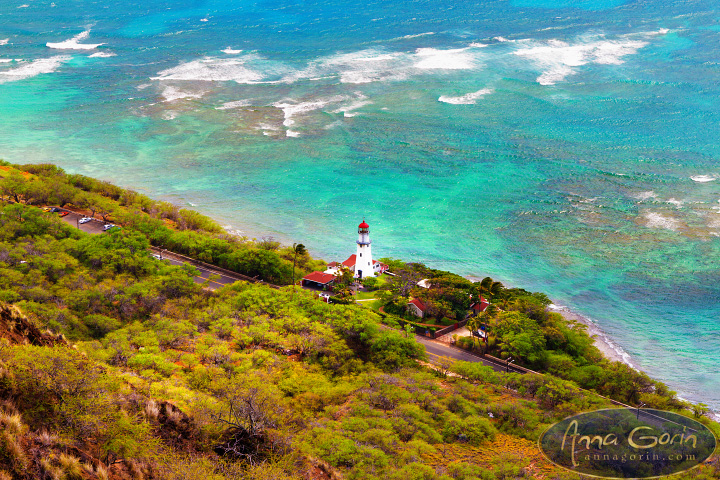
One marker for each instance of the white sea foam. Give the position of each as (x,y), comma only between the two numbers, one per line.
(214,70)
(359,102)
(657,220)
(418,35)
(373,65)
(103,55)
(204,19)
(6,60)
(291,110)
(231,51)
(267,126)
(171,94)
(4,41)
(292,133)
(364,66)
(36,67)
(645,195)
(24,6)
(703,178)
(467,99)
(74,43)
(558,59)
(501,39)
(235,104)
(432,58)
(676,202)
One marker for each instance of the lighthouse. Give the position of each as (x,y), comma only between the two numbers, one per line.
(363,258)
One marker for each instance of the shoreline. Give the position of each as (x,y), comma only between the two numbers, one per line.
(602,341)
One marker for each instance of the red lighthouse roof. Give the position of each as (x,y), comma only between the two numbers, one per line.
(363,225)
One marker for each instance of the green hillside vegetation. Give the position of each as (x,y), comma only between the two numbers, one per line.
(520,326)
(162,223)
(114,365)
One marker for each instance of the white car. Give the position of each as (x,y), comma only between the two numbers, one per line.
(108,227)
(85,220)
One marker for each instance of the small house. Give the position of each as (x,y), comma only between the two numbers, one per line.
(417,307)
(319,280)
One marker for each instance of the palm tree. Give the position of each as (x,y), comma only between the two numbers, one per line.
(297,249)
(490,287)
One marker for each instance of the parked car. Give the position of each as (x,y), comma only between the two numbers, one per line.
(47,209)
(108,226)
(155,255)
(62,214)
(55,209)
(85,220)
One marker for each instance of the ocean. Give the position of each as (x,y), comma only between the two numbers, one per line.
(568,147)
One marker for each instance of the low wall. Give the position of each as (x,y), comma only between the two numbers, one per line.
(451,328)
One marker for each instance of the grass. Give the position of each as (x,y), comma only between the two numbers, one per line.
(365,295)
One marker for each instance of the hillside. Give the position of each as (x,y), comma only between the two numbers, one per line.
(116,365)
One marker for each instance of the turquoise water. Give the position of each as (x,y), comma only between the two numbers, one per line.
(567,147)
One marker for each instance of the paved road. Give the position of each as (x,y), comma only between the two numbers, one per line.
(437,349)
(95,226)
(220,280)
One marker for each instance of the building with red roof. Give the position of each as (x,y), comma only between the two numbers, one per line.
(417,307)
(319,280)
(479,307)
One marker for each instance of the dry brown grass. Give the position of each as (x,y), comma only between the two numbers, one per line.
(12,452)
(71,466)
(152,409)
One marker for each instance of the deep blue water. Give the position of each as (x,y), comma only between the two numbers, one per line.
(564,146)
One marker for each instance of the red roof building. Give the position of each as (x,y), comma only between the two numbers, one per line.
(350,262)
(478,307)
(318,280)
(417,307)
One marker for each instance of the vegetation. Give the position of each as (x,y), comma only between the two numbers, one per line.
(115,365)
(162,223)
(519,325)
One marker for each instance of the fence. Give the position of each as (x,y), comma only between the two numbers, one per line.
(451,328)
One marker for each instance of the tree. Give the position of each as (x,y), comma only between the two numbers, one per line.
(520,336)
(490,287)
(14,186)
(371,283)
(251,413)
(62,193)
(86,201)
(297,249)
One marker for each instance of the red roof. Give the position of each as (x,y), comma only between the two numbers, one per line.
(363,225)
(419,304)
(333,264)
(350,262)
(320,277)
(481,305)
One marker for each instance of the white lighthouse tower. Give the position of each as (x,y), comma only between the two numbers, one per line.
(363,258)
